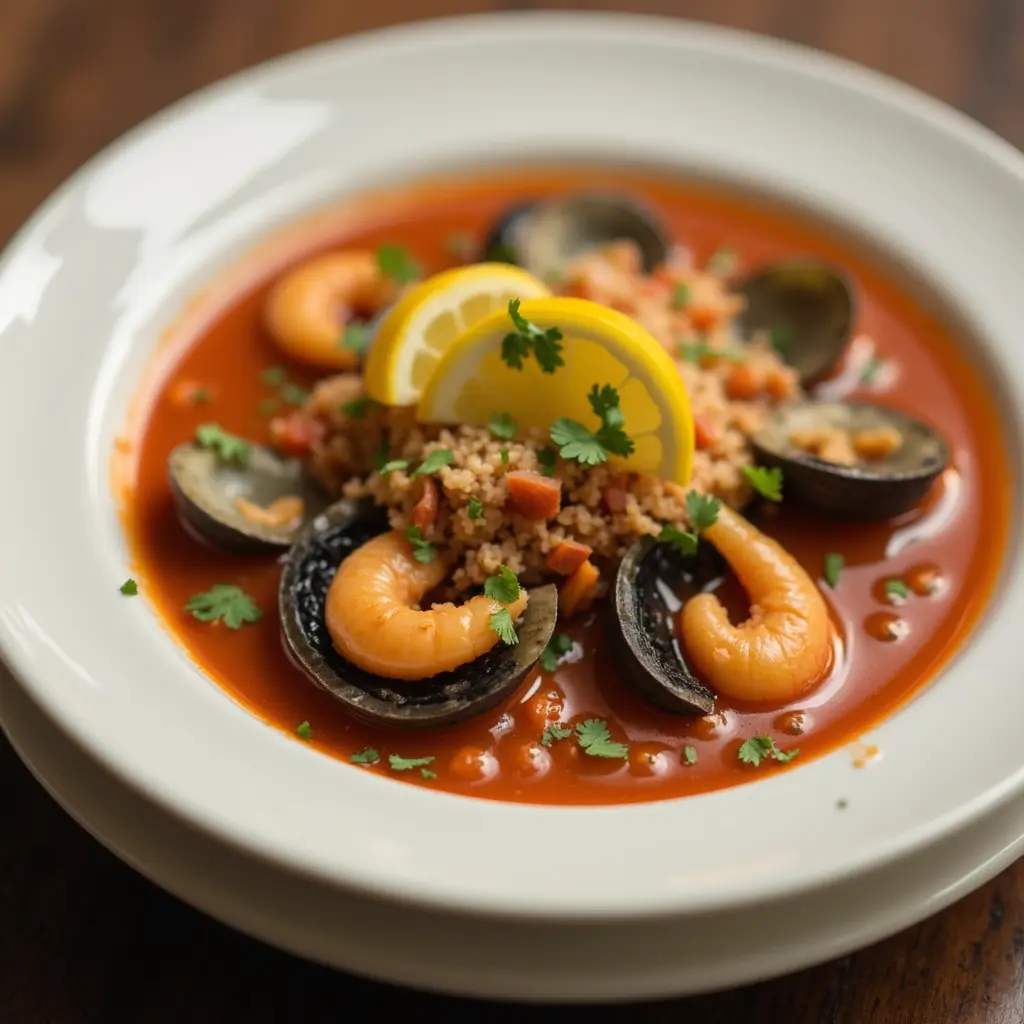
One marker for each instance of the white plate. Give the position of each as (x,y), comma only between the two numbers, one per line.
(476,956)
(86,287)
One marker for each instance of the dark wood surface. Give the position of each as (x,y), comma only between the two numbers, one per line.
(85,939)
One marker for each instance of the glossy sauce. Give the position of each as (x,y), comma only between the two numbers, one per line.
(947,553)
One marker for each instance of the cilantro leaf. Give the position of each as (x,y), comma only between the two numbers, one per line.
(395,262)
(694,352)
(228,447)
(558,645)
(274,376)
(504,456)
(575,441)
(896,588)
(605,403)
(514,350)
(501,622)
(702,509)
(358,407)
(294,395)
(555,732)
(767,482)
(427,773)
(226,603)
(689,755)
(503,426)
(760,748)
(593,736)
(392,465)
(475,509)
(547,459)
(380,456)
(834,563)
(433,462)
(422,549)
(403,764)
(355,335)
(129,588)
(526,337)
(366,756)
(685,543)
(781,338)
(503,586)
(680,295)
(303,730)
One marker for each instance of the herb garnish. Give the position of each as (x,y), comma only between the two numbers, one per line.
(355,335)
(422,549)
(722,261)
(594,738)
(475,509)
(436,460)
(694,352)
(578,442)
(528,337)
(294,395)
(896,588)
(224,602)
(680,295)
(391,465)
(357,408)
(547,459)
(781,338)
(303,730)
(834,563)
(871,369)
(404,764)
(555,732)
(274,376)
(129,588)
(395,262)
(760,748)
(228,447)
(503,426)
(703,512)
(504,588)
(504,456)
(689,755)
(199,397)
(368,755)
(767,482)
(267,407)
(558,645)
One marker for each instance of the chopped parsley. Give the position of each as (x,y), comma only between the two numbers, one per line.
(680,295)
(368,755)
(761,748)
(356,335)
(527,337)
(591,448)
(558,645)
(404,764)
(294,395)
(504,588)
(303,730)
(391,465)
(228,447)
(594,738)
(694,352)
(871,369)
(129,588)
(547,459)
(224,602)
(703,511)
(555,732)
(395,262)
(504,456)
(502,624)
(475,509)
(767,482)
(503,426)
(433,462)
(274,376)
(689,755)
(358,407)
(422,549)
(427,773)
(781,338)
(684,542)
(834,563)
(897,588)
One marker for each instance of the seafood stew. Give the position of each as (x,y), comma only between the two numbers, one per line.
(569,486)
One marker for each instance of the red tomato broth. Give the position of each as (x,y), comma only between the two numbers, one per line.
(500,756)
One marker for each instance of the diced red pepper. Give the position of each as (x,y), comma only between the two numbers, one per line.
(567,556)
(533,495)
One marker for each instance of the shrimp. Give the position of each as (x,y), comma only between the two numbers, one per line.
(307,309)
(374,622)
(785,647)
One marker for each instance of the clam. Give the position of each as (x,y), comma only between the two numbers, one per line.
(807,308)
(231,505)
(878,487)
(652,583)
(441,700)
(545,235)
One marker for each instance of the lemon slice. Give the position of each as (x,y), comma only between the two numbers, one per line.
(600,346)
(430,316)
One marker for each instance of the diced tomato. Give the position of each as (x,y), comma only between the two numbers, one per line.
(295,433)
(533,495)
(703,318)
(567,556)
(742,384)
(579,590)
(704,435)
(424,512)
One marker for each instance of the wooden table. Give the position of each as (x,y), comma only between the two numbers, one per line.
(83,938)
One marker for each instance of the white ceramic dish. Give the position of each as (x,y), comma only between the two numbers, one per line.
(87,285)
(479,956)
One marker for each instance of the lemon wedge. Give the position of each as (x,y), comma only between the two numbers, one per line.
(472,382)
(429,317)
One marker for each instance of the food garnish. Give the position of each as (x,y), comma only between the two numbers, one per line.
(422,549)
(689,755)
(703,511)
(404,764)
(780,338)
(834,563)
(896,588)
(129,588)
(591,448)
(199,396)
(303,730)
(224,602)
(267,407)
(504,588)
(503,426)
(595,740)
(722,261)
(767,482)
(761,748)
(357,408)
(475,509)
(355,335)
(680,295)
(228,447)
(294,395)
(558,645)
(555,732)
(395,262)
(695,352)
(871,370)
(368,755)
(547,459)
(392,466)
(437,459)
(528,337)
(504,456)
(274,376)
